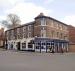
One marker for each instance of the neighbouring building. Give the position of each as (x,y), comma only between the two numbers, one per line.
(71,38)
(43,34)
(2,38)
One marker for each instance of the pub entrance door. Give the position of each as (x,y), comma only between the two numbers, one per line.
(18,45)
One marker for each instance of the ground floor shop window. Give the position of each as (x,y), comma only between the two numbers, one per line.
(30,45)
(48,44)
(37,45)
(23,45)
(43,47)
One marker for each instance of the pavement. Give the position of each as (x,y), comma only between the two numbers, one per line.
(32,61)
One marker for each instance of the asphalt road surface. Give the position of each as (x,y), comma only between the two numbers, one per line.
(31,61)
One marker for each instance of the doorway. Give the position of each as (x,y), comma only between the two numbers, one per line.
(18,45)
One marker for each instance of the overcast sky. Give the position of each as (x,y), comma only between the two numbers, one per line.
(27,10)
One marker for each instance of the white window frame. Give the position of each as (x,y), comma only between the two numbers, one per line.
(29,34)
(29,27)
(43,33)
(43,22)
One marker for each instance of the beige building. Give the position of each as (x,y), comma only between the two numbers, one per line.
(43,34)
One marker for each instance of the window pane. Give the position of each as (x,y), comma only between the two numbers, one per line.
(23,45)
(37,47)
(43,21)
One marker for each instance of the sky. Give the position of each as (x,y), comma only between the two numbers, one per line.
(27,10)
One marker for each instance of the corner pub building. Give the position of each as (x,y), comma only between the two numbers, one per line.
(44,34)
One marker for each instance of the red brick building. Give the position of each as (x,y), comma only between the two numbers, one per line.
(44,34)
(71,38)
(2,37)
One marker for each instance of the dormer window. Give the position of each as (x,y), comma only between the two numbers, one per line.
(43,21)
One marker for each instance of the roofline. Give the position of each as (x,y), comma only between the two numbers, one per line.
(37,18)
(21,26)
(50,18)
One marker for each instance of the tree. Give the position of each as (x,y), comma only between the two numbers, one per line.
(6,24)
(12,21)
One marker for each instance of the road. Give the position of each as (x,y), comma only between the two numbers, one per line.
(31,61)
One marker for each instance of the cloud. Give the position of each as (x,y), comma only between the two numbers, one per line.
(48,1)
(70,20)
(2,18)
(27,11)
(7,3)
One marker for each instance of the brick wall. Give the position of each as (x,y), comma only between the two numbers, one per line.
(71,34)
(71,38)
(52,26)
(2,37)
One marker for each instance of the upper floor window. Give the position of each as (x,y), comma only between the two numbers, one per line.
(29,34)
(43,32)
(52,33)
(60,27)
(57,34)
(29,27)
(61,35)
(24,29)
(52,23)
(43,21)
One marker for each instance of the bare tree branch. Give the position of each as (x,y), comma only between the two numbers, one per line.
(12,21)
